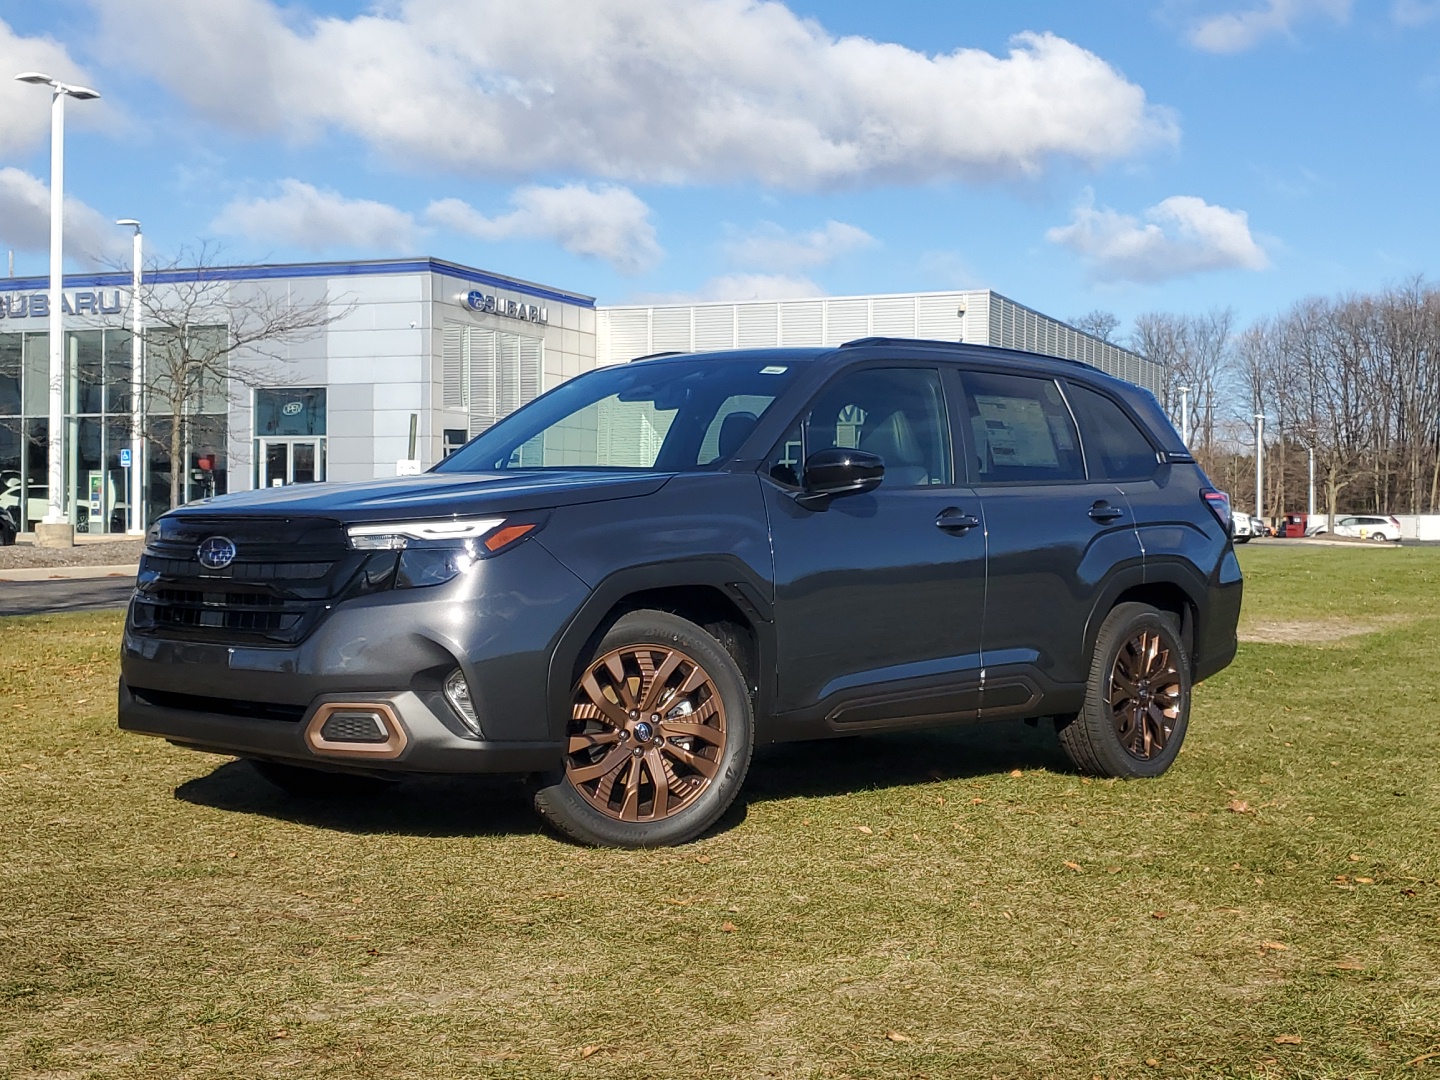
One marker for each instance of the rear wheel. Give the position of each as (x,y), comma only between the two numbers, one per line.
(1137,697)
(659,737)
(318,784)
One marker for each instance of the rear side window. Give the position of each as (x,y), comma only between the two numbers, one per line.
(1117,449)
(1021,430)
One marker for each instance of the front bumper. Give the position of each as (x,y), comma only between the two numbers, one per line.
(499,625)
(429,746)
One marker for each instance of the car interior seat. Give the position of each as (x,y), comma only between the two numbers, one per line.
(893,438)
(734,430)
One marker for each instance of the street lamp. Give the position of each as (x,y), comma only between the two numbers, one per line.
(55,512)
(137,443)
(1259,465)
(1184,415)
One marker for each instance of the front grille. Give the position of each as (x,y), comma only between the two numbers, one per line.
(255,710)
(286,574)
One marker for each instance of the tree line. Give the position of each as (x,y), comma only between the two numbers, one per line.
(1355,379)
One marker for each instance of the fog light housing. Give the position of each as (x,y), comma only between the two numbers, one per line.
(457,693)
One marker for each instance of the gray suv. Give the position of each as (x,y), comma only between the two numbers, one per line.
(624,587)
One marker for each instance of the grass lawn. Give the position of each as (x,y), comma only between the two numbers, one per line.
(943,905)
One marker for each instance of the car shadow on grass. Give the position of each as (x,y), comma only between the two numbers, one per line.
(499,805)
(871,762)
(419,806)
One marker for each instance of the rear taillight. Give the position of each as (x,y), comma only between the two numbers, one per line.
(1396,523)
(1219,504)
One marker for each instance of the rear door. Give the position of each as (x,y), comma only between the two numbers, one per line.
(1054,535)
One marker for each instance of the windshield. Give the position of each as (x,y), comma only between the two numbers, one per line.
(672,416)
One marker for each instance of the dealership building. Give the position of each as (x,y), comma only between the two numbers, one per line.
(407,360)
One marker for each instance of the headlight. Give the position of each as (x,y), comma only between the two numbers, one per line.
(434,552)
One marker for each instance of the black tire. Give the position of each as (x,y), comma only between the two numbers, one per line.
(317,783)
(600,796)
(1107,737)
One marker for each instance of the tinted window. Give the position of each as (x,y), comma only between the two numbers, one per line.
(678,415)
(1021,429)
(897,413)
(1115,447)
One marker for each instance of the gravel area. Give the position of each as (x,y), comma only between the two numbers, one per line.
(121,551)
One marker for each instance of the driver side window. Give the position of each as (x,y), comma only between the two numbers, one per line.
(895,413)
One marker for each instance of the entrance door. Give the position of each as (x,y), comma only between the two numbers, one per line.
(291,461)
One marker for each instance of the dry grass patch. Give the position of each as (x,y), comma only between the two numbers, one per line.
(1313,631)
(943,905)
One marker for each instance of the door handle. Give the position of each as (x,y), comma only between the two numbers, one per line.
(1104,513)
(954,520)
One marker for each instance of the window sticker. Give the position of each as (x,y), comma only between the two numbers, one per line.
(774,369)
(1017,431)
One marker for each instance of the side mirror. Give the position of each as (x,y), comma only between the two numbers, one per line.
(838,471)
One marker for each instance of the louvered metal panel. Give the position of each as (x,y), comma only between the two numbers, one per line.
(671,330)
(846,320)
(939,318)
(484,378)
(893,316)
(629,334)
(715,326)
(802,322)
(757,325)
(532,362)
(455,391)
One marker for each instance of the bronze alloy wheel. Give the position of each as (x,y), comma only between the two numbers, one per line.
(1145,694)
(646,734)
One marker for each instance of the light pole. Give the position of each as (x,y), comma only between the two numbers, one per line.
(137,415)
(1259,465)
(1184,415)
(1310,504)
(55,512)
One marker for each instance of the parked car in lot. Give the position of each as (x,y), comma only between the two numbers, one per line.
(625,586)
(1369,528)
(1242,526)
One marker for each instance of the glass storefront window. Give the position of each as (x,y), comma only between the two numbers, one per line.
(294,411)
(37,375)
(10,346)
(12,494)
(86,371)
(117,371)
(36,499)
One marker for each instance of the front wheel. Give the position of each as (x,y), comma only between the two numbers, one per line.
(659,736)
(1137,697)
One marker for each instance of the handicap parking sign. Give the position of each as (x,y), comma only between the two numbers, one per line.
(125,458)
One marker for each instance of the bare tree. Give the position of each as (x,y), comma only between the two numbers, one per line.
(208,335)
(1098,323)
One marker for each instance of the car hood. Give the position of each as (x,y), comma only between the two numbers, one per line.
(431,495)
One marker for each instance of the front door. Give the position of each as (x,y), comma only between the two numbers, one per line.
(879,596)
(290,461)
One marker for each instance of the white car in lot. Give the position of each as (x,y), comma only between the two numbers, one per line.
(1372,527)
(1242,527)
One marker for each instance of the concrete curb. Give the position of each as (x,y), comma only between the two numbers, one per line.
(68,573)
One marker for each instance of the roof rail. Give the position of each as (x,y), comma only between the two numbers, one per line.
(866,341)
(658,355)
(859,342)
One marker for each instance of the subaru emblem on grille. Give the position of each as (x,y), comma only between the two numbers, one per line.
(216,553)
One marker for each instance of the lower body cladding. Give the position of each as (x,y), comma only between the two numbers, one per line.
(367,690)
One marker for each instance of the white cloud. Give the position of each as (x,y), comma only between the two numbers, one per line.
(774,248)
(25,109)
(1414,12)
(1181,235)
(303,216)
(1233,32)
(638,90)
(740,287)
(90,237)
(605,222)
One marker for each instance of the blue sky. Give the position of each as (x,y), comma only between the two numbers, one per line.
(1172,155)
